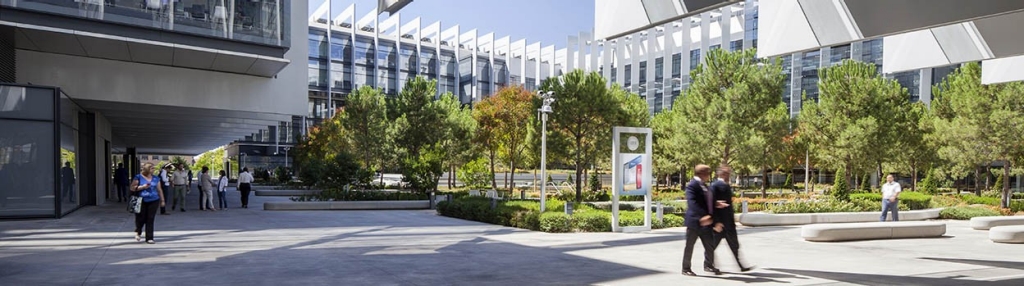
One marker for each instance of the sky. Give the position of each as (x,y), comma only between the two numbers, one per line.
(547,21)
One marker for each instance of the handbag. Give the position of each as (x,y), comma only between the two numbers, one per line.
(135,204)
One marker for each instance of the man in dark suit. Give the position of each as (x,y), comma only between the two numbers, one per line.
(724,215)
(699,200)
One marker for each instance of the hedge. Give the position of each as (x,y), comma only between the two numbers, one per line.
(966,212)
(526,214)
(815,206)
(913,200)
(337,194)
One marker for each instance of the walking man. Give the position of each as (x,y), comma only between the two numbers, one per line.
(67,175)
(699,200)
(121,181)
(180,187)
(165,185)
(890,198)
(725,221)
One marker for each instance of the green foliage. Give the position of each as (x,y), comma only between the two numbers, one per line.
(998,185)
(366,126)
(840,190)
(475,174)
(282,175)
(815,206)
(856,119)
(732,111)
(334,172)
(504,119)
(966,212)
(929,184)
(594,182)
(585,110)
(592,221)
(555,222)
(789,181)
(342,194)
(913,200)
(179,160)
(214,160)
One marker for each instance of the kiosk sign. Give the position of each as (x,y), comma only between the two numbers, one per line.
(631,171)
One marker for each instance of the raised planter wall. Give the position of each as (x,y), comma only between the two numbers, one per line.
(286,193)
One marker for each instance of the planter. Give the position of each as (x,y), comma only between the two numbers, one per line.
(767,219)
(348,205)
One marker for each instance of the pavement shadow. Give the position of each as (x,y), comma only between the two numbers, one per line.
(990,263)
(879,279)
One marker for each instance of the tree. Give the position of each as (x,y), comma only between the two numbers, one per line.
(511,109)
(213,159)
(841,191)
(736,101)
(487,133)
(425,129)
(852,125)
(364,117)
(978,124)
(458,127)
(584,112)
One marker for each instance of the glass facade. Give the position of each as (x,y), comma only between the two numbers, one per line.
(41,156)
(262,22)
(809,74)
(911,80)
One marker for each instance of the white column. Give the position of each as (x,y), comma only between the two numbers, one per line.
(705,35)
(726,24)
(925,86)
(398,51)
(572,42)
(581,50)
(634,61)
(668,49)
(685,47)
(652,43)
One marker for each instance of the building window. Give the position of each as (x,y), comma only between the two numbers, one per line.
(694,59)
(839,53)
(736,45)
(677,61)
(628,74)
(659,70)
(643,73)
(911,80)
(809,74)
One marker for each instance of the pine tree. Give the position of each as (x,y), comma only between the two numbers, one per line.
(841,191)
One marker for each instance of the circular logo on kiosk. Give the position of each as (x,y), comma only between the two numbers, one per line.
(632,143)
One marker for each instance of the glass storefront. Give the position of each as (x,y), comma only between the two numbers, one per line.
(40,155)
(255,21)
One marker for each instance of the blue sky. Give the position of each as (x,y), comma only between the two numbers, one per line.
(548,21)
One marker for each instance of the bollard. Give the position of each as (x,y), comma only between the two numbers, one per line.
(494,203)
(568,208)
(433,200)
(744,207)
(661,212)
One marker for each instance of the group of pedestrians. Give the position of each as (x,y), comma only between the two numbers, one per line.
(154,189)
(710,218)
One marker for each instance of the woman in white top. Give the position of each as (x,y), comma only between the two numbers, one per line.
(207,182)
(222,188)
(245,186)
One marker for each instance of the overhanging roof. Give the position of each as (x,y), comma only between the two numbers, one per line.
(105,46)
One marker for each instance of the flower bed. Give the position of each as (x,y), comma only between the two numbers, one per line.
(527,215)
(331,195)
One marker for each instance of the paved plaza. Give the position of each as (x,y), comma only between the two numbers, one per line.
(95,246)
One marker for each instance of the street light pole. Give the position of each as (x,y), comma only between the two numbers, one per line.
(286,156)
(548,98)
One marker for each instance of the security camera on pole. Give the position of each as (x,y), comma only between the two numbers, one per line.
(548,97)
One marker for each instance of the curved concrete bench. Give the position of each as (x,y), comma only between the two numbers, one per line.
(286,193)
(767,219)
(872,230)
(987,222)
(1007,234)
(353,205)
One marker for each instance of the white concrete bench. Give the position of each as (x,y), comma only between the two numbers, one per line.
(767,219)
(872,230)
(1007,234)
(987,222)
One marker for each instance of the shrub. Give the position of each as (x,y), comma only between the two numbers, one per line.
(340,194)
(943,201)
(592,221)
(913,200)
(928,185)
(998,186)
(966,212)
(789,181)
(475,174)
(840,191)
(555,222)
(594,182)
(282,175)
(819,206)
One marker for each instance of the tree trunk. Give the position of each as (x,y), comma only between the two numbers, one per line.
(1006,184)
(913,178)
(513,167)
(764,183)
(682,177)
(494,176)
(880,178)
(977,181)
(988,176)
(579,169)
(586,173)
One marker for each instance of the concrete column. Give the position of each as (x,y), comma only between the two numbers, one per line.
(634,60)
(925,86)
(725,23)
(705,34)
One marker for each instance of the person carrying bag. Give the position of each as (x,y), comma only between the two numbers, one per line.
(147,187)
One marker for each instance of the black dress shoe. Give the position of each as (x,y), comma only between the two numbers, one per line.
(746,269)
(713,270)
(688,272)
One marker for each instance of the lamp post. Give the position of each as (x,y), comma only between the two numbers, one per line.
(548,97)
(286,156)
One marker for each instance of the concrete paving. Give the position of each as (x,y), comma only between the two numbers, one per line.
(95,246)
